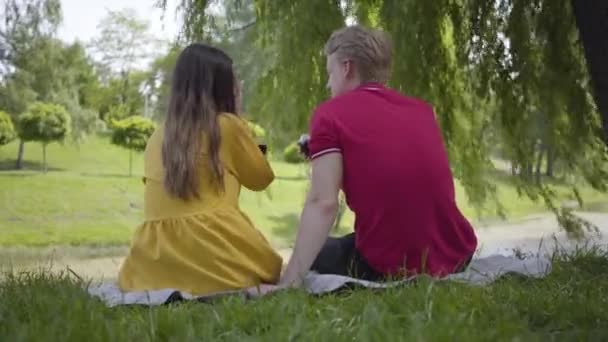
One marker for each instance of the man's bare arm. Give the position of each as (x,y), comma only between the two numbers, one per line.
(317,217)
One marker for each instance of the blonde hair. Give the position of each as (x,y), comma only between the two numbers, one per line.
(370,50)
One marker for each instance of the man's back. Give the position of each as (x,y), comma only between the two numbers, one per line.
(396,179)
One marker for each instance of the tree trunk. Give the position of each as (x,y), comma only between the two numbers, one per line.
(19,163)
(550,162)
(44,169)
(130,163)
(125,87)
(592,22)
(539,162)
(526,171)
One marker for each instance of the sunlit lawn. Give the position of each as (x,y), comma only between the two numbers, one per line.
(88,198)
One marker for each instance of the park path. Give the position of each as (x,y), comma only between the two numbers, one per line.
(529,235)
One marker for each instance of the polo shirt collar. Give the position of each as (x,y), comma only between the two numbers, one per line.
(371,86)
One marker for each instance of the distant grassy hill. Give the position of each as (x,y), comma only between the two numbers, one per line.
(87,197)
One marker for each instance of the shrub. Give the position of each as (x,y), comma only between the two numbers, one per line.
(44,123)
(7,129)
(258,131)
(132,133)
(292,154)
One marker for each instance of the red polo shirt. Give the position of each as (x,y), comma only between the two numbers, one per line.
(397,180)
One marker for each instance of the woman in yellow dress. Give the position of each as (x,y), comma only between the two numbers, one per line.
(194,237)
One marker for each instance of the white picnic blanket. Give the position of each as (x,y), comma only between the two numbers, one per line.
(481,272)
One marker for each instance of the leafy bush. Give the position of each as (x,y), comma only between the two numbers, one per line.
(117,113)
(132,133)
(85,121)
(7,129)
(292,154)
(258,131)
(44,123)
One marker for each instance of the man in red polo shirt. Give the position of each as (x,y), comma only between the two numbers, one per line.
(385,151)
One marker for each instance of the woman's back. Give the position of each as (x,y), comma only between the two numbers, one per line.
(194,237)
(242,162)
(203,245)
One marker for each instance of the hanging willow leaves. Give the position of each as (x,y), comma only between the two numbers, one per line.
(507,79)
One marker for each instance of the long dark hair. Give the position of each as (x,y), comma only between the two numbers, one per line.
(203,86)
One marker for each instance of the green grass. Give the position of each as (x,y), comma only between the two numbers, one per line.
(570,304)
(88,199)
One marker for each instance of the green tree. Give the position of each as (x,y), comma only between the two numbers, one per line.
(54,72)
(7,129)
(132,133)
(113,94)
(124,42)
(118,112)
(159,82)
(44,123)
(84,121)
(233,28)
(291,154)
(515,58)
(23,24)
(75,87)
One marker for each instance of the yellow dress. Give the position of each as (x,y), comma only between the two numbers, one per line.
(207,245)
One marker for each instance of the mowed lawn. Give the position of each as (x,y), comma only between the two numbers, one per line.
(87,197)
(571,304)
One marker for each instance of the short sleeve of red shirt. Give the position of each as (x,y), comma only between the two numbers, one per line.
(324,136)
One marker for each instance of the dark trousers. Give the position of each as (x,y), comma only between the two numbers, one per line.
(340,256)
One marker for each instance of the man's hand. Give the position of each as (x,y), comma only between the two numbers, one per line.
(263,290)
(317,217)
(303,144)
